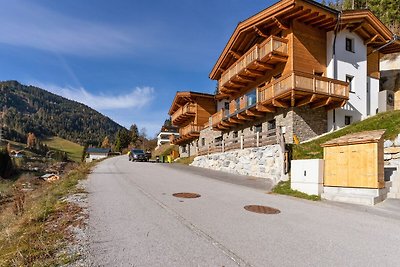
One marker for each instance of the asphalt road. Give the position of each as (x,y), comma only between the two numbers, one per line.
(135,221)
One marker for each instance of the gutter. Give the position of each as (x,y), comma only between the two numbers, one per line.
(395,38)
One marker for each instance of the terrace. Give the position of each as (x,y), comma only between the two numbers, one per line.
(183,114)
(187,134)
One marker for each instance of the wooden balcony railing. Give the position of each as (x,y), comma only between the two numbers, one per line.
(185,111)
(217,117)
(190,129)
(303,82)
(258,52)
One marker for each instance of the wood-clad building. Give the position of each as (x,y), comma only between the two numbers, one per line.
(190,112)
(302,66)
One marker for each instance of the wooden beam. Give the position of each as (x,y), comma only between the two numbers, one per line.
(243,117)
(322,22)
(235,54)
(235,120)
(315,20)
(359,26)
(237,83)
(306,100)
(307,16)
(245,78)
(260,32)
(298,14)
(336,105)
(372,39)
(225,124)
(264,108)
(293,12)
(279,103)
(321,103)
(254,72)
(227,90)
(280,24)
(254,113)
(264,65)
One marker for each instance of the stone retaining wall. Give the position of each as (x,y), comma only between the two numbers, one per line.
(264,162)
(392,152)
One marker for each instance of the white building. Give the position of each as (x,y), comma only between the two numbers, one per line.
(164,136)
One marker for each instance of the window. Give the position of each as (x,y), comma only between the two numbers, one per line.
(203,141)
(349,45)
(235,135)
(347,120)
(258,128)
(184,149)
(218,141)
(271,127)
(226,105)
(349,79)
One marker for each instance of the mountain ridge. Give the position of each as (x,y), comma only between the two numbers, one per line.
(27,108)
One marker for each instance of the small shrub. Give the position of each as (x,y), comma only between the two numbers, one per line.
(283,188)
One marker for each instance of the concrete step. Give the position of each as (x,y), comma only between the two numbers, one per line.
(357,191)
(354,199)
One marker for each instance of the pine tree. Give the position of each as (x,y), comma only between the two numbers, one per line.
(31,140)
(134,132)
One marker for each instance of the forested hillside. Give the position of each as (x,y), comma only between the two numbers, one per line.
(27,109)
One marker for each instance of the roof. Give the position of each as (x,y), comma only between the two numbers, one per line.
(356,138)
(97,150)
(258,27)
(181,98)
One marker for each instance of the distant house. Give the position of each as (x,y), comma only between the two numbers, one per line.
(165,134)
(95,153)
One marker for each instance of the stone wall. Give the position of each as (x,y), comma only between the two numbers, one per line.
(189,149)
(265,162)
(392,152)
(309,123)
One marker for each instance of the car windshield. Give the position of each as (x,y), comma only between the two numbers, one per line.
(137,151)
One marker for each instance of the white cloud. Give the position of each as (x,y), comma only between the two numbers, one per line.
(26,24)
(136,98)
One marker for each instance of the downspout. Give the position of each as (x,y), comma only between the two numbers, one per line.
(335,71)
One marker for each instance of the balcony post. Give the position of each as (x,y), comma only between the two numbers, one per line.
(314,85)
(258,139)
(241,142)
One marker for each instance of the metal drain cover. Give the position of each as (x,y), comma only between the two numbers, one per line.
(262,209)
(186,195)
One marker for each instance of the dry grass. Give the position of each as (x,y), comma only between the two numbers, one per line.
(38,234)
(73,150)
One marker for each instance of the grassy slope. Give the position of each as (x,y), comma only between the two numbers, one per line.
(388,120)
(73,150)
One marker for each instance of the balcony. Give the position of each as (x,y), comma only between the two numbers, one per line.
(188,133)
(253,64)
(298,89)
(240,110)
(295,89)
(183,113)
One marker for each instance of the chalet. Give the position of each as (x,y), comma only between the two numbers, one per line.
(94,153)
(190,112)
(165,135)
(299,66)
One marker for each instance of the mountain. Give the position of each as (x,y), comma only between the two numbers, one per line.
(27,109)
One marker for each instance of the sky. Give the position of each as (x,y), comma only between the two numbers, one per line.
(124,58)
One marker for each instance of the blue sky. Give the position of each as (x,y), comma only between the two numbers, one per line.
(125,58)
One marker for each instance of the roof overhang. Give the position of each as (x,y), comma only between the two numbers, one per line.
(371,29)
(181,98)
(259,26)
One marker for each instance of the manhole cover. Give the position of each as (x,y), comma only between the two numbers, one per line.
(186,195)
(262,209)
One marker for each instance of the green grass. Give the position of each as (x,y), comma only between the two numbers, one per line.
(283,188)
(40,234)
(73,150)
(388,120)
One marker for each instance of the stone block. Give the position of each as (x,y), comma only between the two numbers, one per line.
(387,143)
(397,140)
(396,156)
(392,150)
(387,156)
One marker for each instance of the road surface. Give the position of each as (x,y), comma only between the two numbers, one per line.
(135,221)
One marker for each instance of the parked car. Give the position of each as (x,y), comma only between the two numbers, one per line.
(137,155)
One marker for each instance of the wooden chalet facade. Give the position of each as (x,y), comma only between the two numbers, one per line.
(298,67)
(301,66)
(190,112)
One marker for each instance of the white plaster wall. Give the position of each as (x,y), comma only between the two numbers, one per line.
(95,157)
(354,64)
(221,104)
